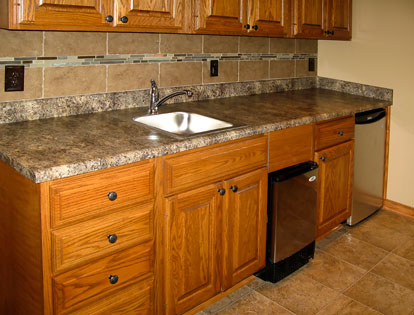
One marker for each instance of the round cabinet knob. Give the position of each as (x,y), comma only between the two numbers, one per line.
(113,279)
(124,19)
(255,27)
(221,191)
(341,133)
(234,188)
(112,238)
(323,158)
(246,26)
(112,196)
(109,18)
(332,32)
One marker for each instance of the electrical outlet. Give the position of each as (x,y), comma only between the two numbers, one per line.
(311,65)
(213,68)
(14,78)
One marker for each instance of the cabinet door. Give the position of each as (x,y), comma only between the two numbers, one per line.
(151,15)
(220,16)
(270,17)
(244,226)
(192,227)
(335,186)
(308,19)
(64,15)
(338,19)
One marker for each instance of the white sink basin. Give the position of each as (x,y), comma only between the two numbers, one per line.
(183,123)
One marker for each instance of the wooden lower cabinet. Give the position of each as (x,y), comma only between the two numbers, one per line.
(335,186)
(215,238)
(244,227)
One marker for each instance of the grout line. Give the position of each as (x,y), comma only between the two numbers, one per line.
(285,308)
(159,43)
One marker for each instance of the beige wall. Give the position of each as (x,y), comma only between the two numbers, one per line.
(382,53)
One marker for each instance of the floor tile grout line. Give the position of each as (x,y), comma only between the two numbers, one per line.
(285,308)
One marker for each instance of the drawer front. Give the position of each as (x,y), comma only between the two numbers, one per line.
(290,146)
(86,196)
(189,170)
(333,132)
(89,283)
(135,299)
(99,237)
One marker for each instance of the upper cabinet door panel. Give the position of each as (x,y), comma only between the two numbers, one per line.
(60,14)
(151,15)
(220,16)
(308,18)
(339,19)
(270,17)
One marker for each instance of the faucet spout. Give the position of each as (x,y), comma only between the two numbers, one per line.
(155,102)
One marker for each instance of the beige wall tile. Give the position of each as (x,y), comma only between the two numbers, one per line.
(282,69)
(32,86)
(251,45)
(228,72)
(221,44)
(62,81)
(302,67)
(306,46)
(254,70)
(75,43)
(180,73)
(282,45)
(20,43)
(131,77)
(176,43)
(133,43)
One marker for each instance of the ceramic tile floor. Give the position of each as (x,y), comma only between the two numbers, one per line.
(366,269)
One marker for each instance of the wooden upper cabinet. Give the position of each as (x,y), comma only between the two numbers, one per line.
(308,18)
(322,19)
(220,16)
(270,17)
(63,15)
(339,19)
(151,15)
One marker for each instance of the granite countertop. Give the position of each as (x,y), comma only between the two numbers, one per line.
(54,148)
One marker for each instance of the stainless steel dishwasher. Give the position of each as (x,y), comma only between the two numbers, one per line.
(291,220)
(369,158)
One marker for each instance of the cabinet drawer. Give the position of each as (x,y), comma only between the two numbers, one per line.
(78,243)
(74,289)
(86,196)
(290,146)
(189,170)
(135,299)
(334,132)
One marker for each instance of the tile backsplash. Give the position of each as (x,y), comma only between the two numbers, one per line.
(78,63)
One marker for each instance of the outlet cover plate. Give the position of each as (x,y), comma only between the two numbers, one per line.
(14,78)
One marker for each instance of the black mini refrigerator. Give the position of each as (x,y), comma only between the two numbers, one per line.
(291,220)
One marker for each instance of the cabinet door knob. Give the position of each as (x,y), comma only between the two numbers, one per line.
(255,27)
(246,26)
(109,18)
(234,188)
(221,191)
(112,238)
(113,279)
(323,158)
(124,19)
(341,133)
(112,196)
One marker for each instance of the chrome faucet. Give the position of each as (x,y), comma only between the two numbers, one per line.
(155,102)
